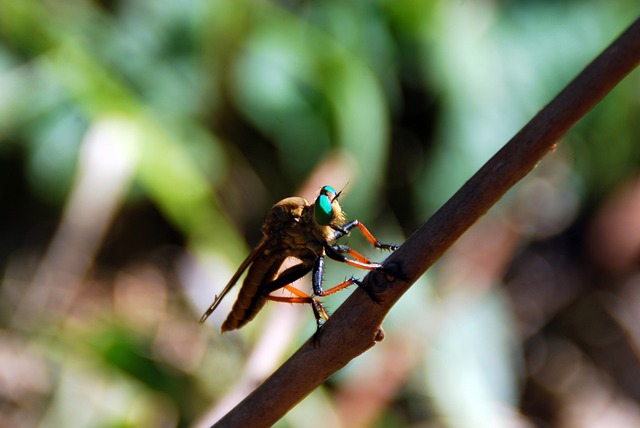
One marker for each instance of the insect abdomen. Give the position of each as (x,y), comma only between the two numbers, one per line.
(250,299)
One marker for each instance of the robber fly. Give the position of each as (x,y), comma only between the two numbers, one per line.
(307,232)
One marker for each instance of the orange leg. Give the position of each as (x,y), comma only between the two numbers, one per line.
(304,298)
(358,256)
(344,284)
(360,261)
(365,232)
(337,252)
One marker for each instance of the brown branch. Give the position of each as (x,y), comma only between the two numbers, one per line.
(353,328)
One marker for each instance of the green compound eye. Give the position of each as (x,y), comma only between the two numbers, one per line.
(323,209)
(328,190)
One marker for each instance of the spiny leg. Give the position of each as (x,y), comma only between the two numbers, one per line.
(337,252)
(336,288)
(318,291)
(345,249)
(318,274)
(319,311)
(344,230)
(293,273)
(284,280)
(344,284)
(296,272)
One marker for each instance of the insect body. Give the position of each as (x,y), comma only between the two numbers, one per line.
(307,232)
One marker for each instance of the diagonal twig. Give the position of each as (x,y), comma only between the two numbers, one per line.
(355,325)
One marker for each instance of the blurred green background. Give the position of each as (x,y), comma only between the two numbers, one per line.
(142,142)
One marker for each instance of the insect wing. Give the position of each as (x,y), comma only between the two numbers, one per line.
(257,251)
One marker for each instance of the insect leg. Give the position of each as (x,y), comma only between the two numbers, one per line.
(344,284)
(317,279)
(284,280)
(344,230)
(319,311)
(337,252)
(344,249)
(318,276)
(287,277)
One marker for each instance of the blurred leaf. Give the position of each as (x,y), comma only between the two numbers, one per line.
(500,71)
(470,369)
